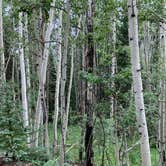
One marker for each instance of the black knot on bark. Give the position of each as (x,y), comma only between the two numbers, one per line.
(132,15)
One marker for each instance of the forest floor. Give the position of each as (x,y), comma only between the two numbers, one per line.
(72,151)
(73,146)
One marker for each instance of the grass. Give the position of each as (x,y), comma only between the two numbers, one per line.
(109,159)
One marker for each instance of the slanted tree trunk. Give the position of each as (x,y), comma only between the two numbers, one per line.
(41,103)
(126,153)
(58,78)
(89,154)
(23,75)
(2,73)
(137,83)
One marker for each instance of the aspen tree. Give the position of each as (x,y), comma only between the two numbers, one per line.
(70,81)
(58,78)
(162,96)
(137,83)
(69,92)
(23,74)
(2,73)
(41,104)
(63,85)
(113,99)
(27,61)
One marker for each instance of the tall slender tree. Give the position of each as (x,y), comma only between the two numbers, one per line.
(71,79)
(2,73)
(41,104)
(89,98)
(162,96)
(23,75)
(63,85)
(137,83)
(58,78)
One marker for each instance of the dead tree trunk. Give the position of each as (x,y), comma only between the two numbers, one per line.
(89,154)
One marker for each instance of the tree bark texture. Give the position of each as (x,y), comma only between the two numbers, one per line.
(89,154)
(137,83)
(23,75)
(41,103)
(2,73)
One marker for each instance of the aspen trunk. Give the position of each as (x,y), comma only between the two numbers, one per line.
(27,65)
(162,97)
(46,140)
(70,82)
(137,83)
(63,85)
(113,112)
(58,78)
(2,73)
(23,75)
(69,93)
(126,153)
(146,53)
(40,109)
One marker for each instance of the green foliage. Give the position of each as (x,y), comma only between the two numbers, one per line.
(90,77)
(35,155)
(50,163)
(12,133)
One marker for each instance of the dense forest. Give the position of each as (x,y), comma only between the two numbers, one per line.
(82,83)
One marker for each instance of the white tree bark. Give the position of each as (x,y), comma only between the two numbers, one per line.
(2,73)
(69,93)
(27,63)
(57,90)
(63,85)
(113,99)
(27,50)
(23,74)
(137,83)
(162,96)
(70,81)
(42,74)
